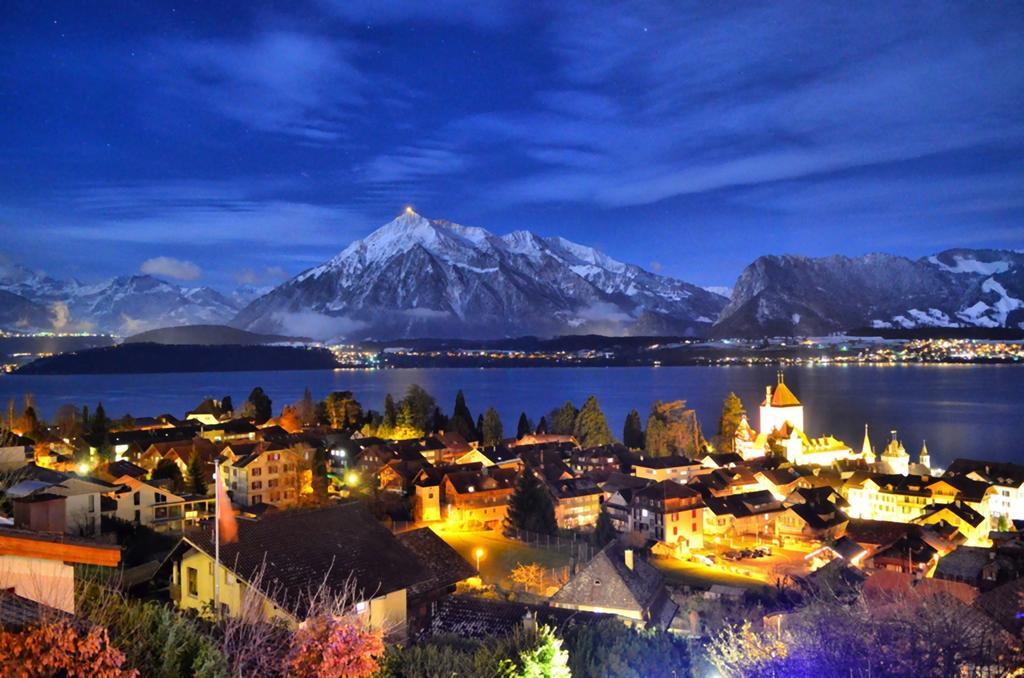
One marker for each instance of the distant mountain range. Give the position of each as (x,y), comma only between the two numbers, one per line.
(418,277)
(790,295)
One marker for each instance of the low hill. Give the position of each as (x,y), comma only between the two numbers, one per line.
(162,358)
(209,335)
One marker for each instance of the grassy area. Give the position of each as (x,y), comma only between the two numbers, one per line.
(500,554)
(694,574)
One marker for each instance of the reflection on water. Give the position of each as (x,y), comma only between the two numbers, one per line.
(962,410)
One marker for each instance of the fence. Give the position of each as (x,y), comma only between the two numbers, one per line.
(576,546)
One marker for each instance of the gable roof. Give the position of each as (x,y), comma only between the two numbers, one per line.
(606,582)
(336,542)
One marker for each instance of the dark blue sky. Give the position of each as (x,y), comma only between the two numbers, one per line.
(252,141)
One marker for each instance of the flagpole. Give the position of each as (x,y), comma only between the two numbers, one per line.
(216,542)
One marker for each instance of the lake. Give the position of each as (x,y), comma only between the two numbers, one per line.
(962,410)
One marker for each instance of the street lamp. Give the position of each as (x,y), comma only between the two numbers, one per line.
(478,552)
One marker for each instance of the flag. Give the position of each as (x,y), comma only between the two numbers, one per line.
(226,522)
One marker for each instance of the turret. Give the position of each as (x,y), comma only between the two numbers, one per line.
(926,460)
(865,449)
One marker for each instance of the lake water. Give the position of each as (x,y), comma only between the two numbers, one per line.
(962,410)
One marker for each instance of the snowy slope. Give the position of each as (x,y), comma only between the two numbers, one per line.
(421,277)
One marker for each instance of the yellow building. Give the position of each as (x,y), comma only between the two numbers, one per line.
(900,498)
(265,572)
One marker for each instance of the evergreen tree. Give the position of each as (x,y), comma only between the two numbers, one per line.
(100,425)
(260,405)
(342,410)
(86,422)
(438,422)
(729,422)
(166,468)
(320,481)
(462,420)
(562,420)
(632,431)
(524,427)
(604,531)
(530,507)
(491,430)
(390,420)
(591,428)
(196,476)
(480,426)
(420,407)
(226,405)
(542,426)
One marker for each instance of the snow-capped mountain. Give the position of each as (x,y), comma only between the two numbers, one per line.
(791,295)
(124,305)
(417,277)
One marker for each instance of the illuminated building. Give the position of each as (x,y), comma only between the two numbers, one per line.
(670,513)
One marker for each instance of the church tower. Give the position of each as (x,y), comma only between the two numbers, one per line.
(926,459)
(866,451)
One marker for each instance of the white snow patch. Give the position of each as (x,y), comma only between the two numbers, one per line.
(970,265)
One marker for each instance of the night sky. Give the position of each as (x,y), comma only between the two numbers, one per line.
(249,142)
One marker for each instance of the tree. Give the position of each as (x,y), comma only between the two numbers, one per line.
(166,468)
(461,421)
(320,480)
(196,476)
(306,408)
(100,424)
(729,422)
(562,420)
(633,431)
(289,419)
(259,406)
(524,427)
(438,422)
(480,426)
(61,649)
(672,429)
(491,431)
(343,410)
(611,648)
(390,420)
(542,426)
(591,428)
(326,646)
(529,576)
(547,659)
(226,405)
(420,407)
(604,531)
(530,507)
(67,421)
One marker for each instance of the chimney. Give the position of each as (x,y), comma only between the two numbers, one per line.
(628,556)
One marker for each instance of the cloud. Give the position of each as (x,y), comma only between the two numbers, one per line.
(169,267)
(316,325)
(269,274)
(414,162)
(289,82)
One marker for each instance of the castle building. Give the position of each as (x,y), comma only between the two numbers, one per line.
(782,420)
(895,458)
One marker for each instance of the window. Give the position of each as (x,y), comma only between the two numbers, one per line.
(257,498)
(159,498)
(271,469)
(92,503)
(137,498)
(257,484)
(257,472)
(193,582)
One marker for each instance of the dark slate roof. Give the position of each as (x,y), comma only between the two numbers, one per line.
(443,563)
(118,469)
(17,612)
(302,549)
(847,548)
(572,487)
(818,517)
(963,564)
(907,547)
(878,532)
(606,582)
(491,478)
(998,473)
(663,462)
(471,617)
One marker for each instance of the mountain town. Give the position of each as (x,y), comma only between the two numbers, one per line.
(555,545)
